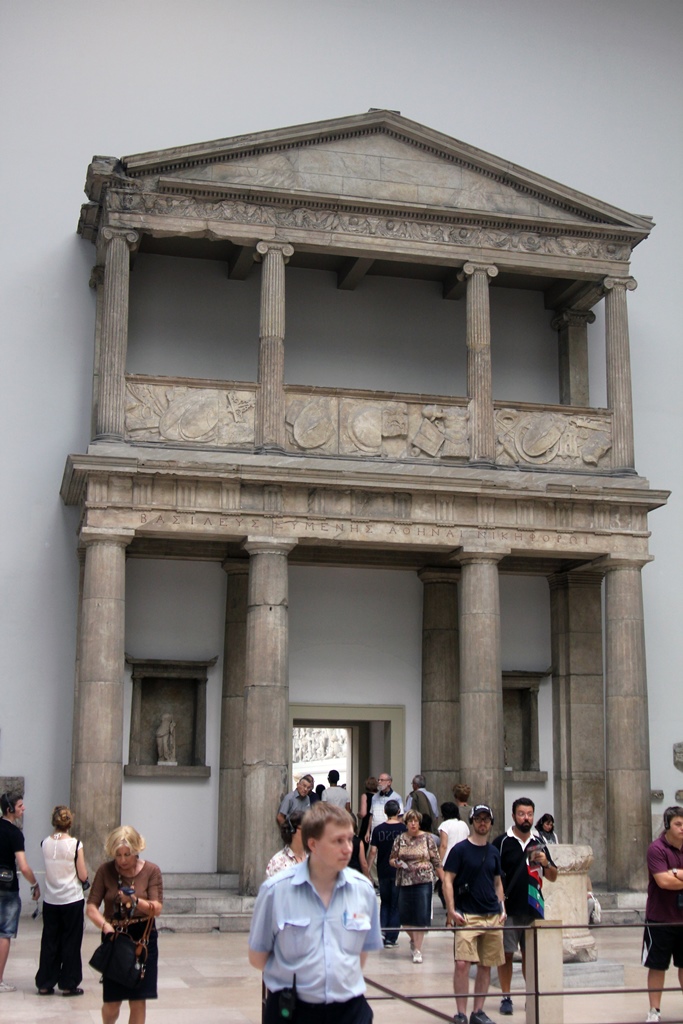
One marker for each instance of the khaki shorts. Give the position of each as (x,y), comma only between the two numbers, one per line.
(478,942)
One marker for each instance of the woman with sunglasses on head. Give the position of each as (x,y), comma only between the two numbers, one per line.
(293,851)
(60,944)
(133,892)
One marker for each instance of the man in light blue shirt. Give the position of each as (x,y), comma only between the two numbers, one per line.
(313,926)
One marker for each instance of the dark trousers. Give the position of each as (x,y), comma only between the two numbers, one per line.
(388,909)
(354,1011)
(60,946)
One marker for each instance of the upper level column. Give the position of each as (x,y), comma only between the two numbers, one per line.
(114,333)
(619,397)
(572,328)
(270,413)
(479,382)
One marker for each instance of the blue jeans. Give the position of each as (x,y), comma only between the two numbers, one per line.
(388,909)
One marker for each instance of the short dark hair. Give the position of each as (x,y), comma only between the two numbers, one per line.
(391,808)
(333,775)
(315,820)
(8,801)
(450,810)
(523,801)
(670,813)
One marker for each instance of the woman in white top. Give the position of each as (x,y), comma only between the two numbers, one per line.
(451,830)
(60,945)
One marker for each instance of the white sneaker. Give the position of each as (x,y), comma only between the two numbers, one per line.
(6,987)
(653,1017)
(417,959)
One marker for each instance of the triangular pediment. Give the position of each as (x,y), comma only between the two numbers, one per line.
(378,157)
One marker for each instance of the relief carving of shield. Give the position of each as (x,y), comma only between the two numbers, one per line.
(542,434)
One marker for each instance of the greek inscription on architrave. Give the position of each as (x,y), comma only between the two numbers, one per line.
(215,416)
(560,440)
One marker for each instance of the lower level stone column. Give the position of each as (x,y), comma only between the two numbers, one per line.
(267,739)
(97,774)
(579,711)
(440,760)
(232,715)
(482,760)
(629,814)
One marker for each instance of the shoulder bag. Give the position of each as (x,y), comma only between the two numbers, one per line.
(121,958)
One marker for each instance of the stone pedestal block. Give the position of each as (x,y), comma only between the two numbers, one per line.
(544,973)
(565,900)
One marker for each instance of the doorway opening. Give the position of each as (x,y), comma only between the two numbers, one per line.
(365,740)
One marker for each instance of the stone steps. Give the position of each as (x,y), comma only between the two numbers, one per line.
(622,907)
(204,903)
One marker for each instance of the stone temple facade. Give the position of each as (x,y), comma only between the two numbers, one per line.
(459,488)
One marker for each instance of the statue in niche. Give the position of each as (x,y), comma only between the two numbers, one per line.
(165,737)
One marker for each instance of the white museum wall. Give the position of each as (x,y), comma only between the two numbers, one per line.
(177,610)
(57,112)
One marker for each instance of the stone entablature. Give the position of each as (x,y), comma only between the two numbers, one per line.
(327,421)
(230,502)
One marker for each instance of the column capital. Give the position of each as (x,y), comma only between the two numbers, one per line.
(102,535)
(628,283)
(470,554)
(263,247)
(470,268)
(236,566)
(611,562)
(131,238)
(269,545)
(429,575)
(572,318)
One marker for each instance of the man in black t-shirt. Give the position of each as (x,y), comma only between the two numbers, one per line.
(381,843)
(473,890)
(12,856)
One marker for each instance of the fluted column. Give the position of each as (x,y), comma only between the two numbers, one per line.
(440,760)
(114,333)
(97,774)
(572,328)
(232,714)
(482,759)
(619,397)
(479,382)
(267,740)
(579,711)
(270,413)
(629,822)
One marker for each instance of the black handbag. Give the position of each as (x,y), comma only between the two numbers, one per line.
(6,879)
(121,958)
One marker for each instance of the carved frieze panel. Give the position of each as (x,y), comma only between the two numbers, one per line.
(435,230)
(189,414)
(338,425)
(552,439)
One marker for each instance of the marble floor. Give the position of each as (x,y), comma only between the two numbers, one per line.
(205,979)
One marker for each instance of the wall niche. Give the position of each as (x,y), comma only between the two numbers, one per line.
(168,719)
